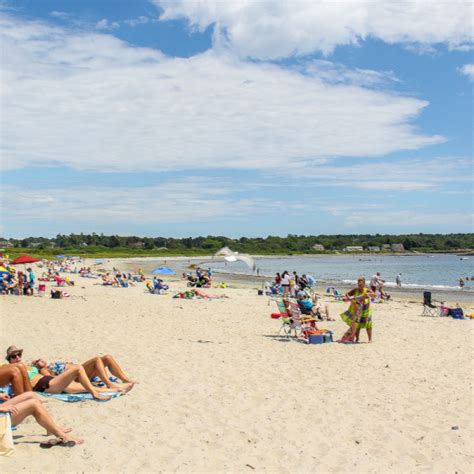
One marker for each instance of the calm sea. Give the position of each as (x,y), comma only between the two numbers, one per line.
(433,271)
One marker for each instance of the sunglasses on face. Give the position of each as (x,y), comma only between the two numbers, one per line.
(16,356)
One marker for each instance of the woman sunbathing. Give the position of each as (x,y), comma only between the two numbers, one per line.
(95,367)
(72,380)
(28,404)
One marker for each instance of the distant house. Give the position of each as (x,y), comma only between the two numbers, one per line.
(137,245)
(318,247)
(5,244)
(33,245)
(354,248)
(386,247)
(373,248)
(398,248)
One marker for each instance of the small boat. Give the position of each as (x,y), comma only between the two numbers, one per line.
(464,258)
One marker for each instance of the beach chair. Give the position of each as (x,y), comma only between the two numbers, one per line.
(430,309)
(296,323)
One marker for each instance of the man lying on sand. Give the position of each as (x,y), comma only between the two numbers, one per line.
(73,380)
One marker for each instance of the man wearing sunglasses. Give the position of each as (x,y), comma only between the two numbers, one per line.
(15,374)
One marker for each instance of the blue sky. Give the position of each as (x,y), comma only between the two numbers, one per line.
(184,118)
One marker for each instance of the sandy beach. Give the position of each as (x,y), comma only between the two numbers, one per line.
(220,392)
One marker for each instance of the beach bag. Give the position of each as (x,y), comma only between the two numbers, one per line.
(56,294)
(6,437)
(457,313)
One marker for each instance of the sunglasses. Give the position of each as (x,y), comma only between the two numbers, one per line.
(15,356)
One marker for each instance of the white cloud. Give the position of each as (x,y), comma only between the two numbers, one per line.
(141,20)
(468,70)
(184,200)
(336,73)
(105,24)
(59,14)
(406,219)
(90,101)
(413,174)
(274,29)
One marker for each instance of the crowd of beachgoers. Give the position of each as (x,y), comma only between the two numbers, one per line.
(300,308)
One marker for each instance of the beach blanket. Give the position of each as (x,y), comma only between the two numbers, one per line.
(77,397)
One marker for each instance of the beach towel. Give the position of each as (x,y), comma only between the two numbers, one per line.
(78,397)
(6,437)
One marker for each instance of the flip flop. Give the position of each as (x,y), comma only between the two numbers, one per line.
(57,442)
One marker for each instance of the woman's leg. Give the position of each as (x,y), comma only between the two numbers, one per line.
(369,333)
(62,382)
(110,363)
(28,404)
(95,367)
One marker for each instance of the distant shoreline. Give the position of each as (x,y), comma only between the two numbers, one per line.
(184,264)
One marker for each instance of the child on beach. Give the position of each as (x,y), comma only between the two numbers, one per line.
(359,313)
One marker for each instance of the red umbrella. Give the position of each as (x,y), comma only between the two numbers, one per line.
(24,259)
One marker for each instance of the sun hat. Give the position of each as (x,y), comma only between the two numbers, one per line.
(13,350)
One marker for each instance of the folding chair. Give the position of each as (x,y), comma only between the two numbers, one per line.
(296,323)
(430,309)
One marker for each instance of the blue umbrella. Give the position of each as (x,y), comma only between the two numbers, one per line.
(163,271)
(59,256)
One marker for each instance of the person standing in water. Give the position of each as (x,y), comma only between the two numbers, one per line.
(398,280)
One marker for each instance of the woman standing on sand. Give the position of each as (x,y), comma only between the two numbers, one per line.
(359,313)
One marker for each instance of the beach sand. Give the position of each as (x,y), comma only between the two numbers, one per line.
(220,392)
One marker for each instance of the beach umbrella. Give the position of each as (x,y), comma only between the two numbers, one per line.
(163,271)
(24,259)
(59,256)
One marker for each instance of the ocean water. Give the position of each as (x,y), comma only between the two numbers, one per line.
(421,271)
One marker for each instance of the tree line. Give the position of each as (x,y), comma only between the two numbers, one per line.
(292,243)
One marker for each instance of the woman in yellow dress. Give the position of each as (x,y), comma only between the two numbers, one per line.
(359,313)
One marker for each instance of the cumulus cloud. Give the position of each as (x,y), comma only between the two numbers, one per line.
(91,101)
(468,70)
(268,29)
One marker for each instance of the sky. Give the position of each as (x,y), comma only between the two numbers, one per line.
(238,118)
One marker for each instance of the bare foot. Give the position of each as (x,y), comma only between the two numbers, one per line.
(76,441)
(99,396)
(64,430)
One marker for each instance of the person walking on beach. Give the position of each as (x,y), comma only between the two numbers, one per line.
(398,280)
(359,313)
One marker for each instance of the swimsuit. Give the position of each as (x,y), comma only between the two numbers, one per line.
(43,383)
